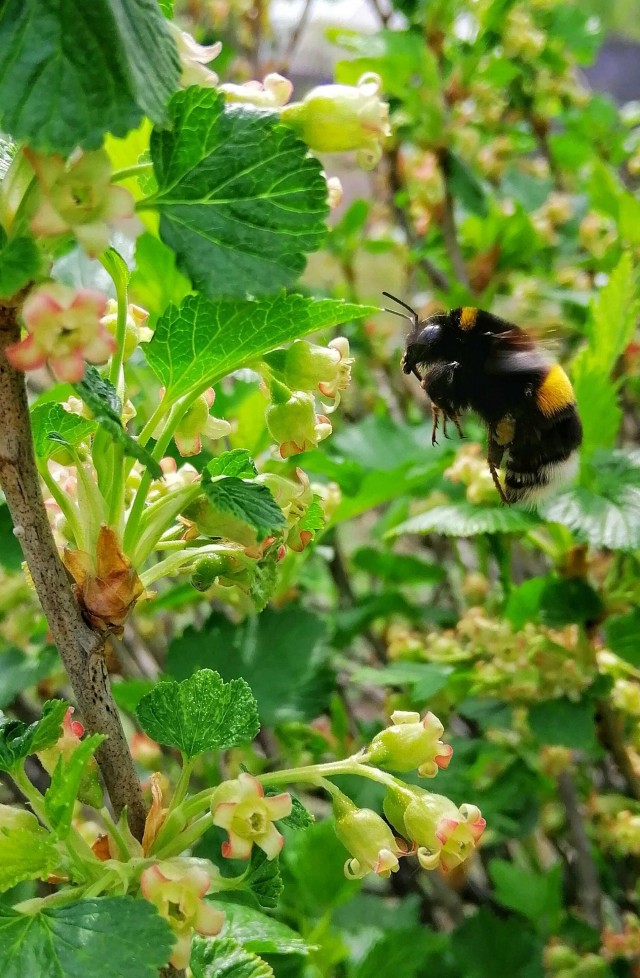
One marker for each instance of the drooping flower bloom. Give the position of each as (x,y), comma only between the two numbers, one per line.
(274,92)
(136,330)
(411,743)
(366,835)
(77,196)
(307,367)
(176,887)
(339,118)
(198,422)
(194,57)
(64,330)
(242,809)
(294,424)
(294,497)
(444,835)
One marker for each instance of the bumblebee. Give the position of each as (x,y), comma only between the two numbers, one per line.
(470,359)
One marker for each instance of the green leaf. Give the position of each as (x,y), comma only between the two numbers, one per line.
(405,953)
(17,740)
(199,714)
(61,86)
(11,556)
(282,655)
(597,397)
(27,852)
(250,502)
(102,400)
(607,514)
(397,568)
(236,229)
(52,419)
(537,896)
(199,342)
(264,580)
(112,937)
(234,463)
(466,187)
(258,933)
(564,723)
(300,817)
(264,879)
(20,261)
(225,959)
(18,671)
(621,632)
(487,945)
(614,314)
(426,678)
(156,282)
(467,520)
(62,793)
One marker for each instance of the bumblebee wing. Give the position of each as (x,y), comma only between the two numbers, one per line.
(514,352)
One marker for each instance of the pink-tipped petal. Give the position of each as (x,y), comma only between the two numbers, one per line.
(445,827)
(223,814)
(152,881)
(69,368)
(209,921)
(278,806)
(271,842)
(43,303)
(25,355)
(236,847)
(443,759)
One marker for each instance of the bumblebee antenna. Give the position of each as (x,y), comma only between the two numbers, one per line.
(413,318)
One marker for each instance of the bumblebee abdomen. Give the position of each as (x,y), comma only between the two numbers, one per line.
(543,454)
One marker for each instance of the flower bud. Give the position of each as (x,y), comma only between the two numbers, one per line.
(339,118)
(272,93)
(197,422)
(444,834)
(136,331)
(368,838)
(410,743)
(294,424)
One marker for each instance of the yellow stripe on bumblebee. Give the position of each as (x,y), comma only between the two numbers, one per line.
(468,317)
(555,392)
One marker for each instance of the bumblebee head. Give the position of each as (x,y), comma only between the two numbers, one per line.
(430,340)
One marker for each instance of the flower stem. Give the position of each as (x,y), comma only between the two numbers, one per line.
(137,169)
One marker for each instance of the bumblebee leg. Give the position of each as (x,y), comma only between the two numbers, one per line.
(496,482)
(495,451)
(445,418)
(457,424)
(417,374)
(435,413)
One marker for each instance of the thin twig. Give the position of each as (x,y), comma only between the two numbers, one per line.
(438,278)
(449,232)
(586,872)
(611,735)
(81,649)
(296,34)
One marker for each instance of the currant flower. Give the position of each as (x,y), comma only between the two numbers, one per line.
(136,330)
(308,367)
(77,196)
(242,809)
(445,835)
(176,887)
(294,424)
(72,731)
(64,330)
(198,422)
(410,743)
(372,844)
(274,92)
(339,118)
(194,57)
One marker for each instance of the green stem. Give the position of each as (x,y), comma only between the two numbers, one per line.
(183,782)
(65,504)
(158,517)
(114,831)
(32,794)
(116,500)
(57,899)
(131,171)
(135,514)
(186,839)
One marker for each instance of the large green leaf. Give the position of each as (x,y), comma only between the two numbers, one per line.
(537,896)
(199,342)
(240,199)
(52,419)
(466,520)
(72,71)
(622,633)
(257,932)
(281,654)
(607,514)
(20,261)
(18,671)
(225,959)
(27,852)
(247,501)
(264,879)
(112,937)
(17,740)
(200,714)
